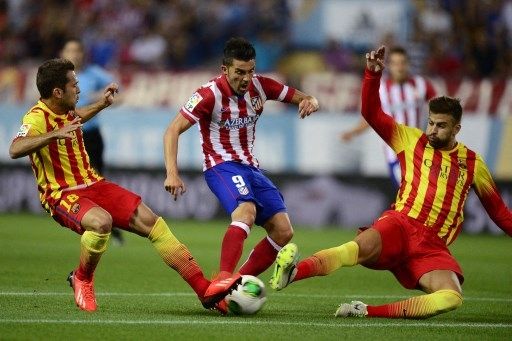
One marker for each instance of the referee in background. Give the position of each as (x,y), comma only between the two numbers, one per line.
(92,79)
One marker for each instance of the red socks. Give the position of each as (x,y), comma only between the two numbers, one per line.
(232,246)
(305,269)
(261,257)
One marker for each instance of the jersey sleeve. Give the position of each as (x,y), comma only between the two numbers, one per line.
(489,196)
(394,134)
(199,105)
(32,124)
(431,91)
(276,91)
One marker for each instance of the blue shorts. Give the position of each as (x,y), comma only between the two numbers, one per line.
(395,173)
(234,183)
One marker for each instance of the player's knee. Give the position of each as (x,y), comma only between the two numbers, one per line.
(245,213)
(370,246)
(101,223)
(282,236)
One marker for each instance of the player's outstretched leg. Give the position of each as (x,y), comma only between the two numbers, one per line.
(320,264)
(418,307)
(92,246)
(176,255)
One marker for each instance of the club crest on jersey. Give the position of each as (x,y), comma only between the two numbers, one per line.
(243,190)
(75,208)
(257,103)
(193,101)
(463,164)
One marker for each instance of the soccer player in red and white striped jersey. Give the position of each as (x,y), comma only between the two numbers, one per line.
(226,110)
(403,96)
(411,239)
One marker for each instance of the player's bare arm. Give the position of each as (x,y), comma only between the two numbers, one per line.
(23,146)
(173,183)
(307,104)
(357,130)
(106,100)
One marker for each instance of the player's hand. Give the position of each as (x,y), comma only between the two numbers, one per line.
(109,93)
(66,132)
(174,185)
(308,106)
(375,59)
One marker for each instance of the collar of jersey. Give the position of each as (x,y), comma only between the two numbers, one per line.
(226,89)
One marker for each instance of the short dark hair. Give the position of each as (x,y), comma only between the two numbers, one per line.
(398,50)
(53,74)
(238,48)
(446,105)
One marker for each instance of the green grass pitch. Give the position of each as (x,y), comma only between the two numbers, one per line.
(139,297)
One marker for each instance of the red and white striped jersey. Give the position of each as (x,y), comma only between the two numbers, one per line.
(227,121)
(405,102)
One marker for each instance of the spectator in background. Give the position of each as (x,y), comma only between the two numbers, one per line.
(403,97)
(337,57)
(92,79)
(484,52)
(269,49)
(435,20)
(149,48)
(469,34)
(444,59)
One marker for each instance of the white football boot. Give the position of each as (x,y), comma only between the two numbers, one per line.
(354,308)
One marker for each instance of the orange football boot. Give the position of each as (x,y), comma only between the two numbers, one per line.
(221,306)
(219,288)
(85,298)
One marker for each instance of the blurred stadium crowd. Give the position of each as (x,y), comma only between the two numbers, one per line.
(448,37)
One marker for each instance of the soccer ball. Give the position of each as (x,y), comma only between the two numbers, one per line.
(248,297)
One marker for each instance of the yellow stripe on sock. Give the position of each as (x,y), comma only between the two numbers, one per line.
(334,258)
(172,251)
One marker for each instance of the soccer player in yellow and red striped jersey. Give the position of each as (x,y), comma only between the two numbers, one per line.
(411,239)
(81,200)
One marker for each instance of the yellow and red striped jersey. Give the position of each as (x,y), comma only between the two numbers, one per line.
(63,163)
(435,183)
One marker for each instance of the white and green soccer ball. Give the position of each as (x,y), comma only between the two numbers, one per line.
(248,297)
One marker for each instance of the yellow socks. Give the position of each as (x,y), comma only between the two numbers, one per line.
(326,261)
(177,256)
(419,307)
(92,246)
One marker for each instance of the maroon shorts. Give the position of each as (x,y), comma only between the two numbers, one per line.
(410,250)
(116,200)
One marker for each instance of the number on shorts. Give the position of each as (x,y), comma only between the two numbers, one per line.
(69,200)
(238,180)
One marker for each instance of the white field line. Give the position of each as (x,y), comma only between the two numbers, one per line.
(264,323)
(184,294)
